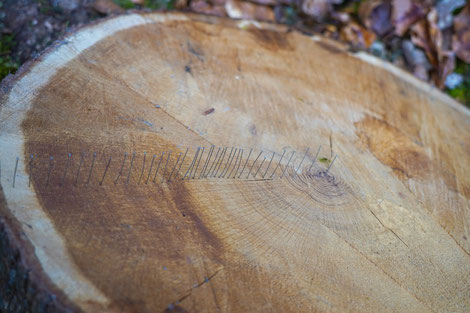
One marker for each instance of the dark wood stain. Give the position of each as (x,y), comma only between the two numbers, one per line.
(114,232)
(329,47)
(396,150)
(272,40)
(175,309)
(195,50)
(209,111)
(253,130)
(186,204)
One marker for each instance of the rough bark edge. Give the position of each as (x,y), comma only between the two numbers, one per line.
(23,285)
(7,83)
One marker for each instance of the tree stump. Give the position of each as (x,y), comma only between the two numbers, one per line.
(91,223)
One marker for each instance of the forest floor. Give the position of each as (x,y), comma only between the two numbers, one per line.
(430,38)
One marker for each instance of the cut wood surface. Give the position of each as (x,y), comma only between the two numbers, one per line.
(385,229)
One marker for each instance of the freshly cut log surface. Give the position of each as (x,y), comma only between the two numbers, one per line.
(109,203)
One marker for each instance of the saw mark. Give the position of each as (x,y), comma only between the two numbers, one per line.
(174,305)
(388,228)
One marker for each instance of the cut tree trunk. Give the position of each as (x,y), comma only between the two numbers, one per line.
(109,203)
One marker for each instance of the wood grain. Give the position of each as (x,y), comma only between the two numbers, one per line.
(385,229)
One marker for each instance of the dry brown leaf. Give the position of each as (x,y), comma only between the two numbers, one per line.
(250,11)
(461,39)
(106,7)
(365,9)
(318,9)
(331,28)
(417,60)
(265,2)
(441,40)
(461,46)
(445,9)
(342,17)
(375,15)
(218,2)
(405,13)
(420,37)
(357,35)
(202,6)
(446,67)
(181,4)
(436,43)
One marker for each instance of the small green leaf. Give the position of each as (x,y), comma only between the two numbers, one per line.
(7,64)
(125,4)
(462,92)
(159,4)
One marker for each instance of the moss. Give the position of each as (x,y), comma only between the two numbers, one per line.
(150,4)
(159,4)
(7,64)
(45,7)
(125,4)
(351,7)
(291,15)
(462,92)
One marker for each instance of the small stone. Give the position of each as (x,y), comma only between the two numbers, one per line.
(378,49)
(107,7)
(453,80)
(48,25)
(67,5)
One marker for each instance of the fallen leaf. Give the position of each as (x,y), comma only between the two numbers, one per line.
(446,67)
(441,40)
(218,2)
(444,9)
(420,37)
(265,2)
(318,9)
(202,6)
(417,60)
(375,15)
(405,13)
(331,28)
(461,39)
(357,35)
(342,17)
(106,7)
(250,11)
(436,43)
(181,4)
